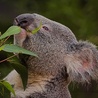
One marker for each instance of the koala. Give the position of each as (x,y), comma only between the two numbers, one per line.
(62,59)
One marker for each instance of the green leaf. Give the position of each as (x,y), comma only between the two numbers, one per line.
(22,70)
(37,29)
(16,49)
(4,92)
(1,48)
(5,69)
(11,31)
(8,86)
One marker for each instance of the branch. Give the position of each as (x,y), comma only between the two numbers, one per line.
(8,58)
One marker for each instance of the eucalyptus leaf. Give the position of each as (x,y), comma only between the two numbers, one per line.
(16,49)
(4,92)
(8,86)
(11,31)
(37,29)
(1,48)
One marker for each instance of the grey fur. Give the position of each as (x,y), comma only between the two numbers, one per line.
(61,57)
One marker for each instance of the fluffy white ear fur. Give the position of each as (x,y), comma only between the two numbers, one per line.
(82,63)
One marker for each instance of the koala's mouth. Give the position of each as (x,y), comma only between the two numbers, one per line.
(25,32)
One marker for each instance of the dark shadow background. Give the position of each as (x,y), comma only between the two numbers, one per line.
(81,16)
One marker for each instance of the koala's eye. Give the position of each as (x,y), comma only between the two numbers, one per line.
(45,28)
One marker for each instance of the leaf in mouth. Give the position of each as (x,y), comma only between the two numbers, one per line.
(36,29)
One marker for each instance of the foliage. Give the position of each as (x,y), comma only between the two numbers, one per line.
(12,30)
(6,88)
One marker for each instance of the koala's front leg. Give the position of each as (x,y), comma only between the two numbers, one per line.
(28,94)
(19,94)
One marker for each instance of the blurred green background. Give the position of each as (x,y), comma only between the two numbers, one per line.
(81,16)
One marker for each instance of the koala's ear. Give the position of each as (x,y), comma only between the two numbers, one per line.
(82,62)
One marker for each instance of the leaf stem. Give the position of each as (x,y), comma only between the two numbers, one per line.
(5,40)
(8,58)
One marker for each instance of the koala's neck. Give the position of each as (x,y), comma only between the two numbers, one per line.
(50,87)
(37,79)
(40,86)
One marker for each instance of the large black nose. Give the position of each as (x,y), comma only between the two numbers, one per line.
(24,20)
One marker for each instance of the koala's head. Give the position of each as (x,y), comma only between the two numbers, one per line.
(50,30)
(50,42)
(56,47)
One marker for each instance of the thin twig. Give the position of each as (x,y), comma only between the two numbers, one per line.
(5,40)
(8,58)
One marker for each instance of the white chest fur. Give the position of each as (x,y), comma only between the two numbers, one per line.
(35,84)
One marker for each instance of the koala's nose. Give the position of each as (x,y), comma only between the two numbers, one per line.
(24,20)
